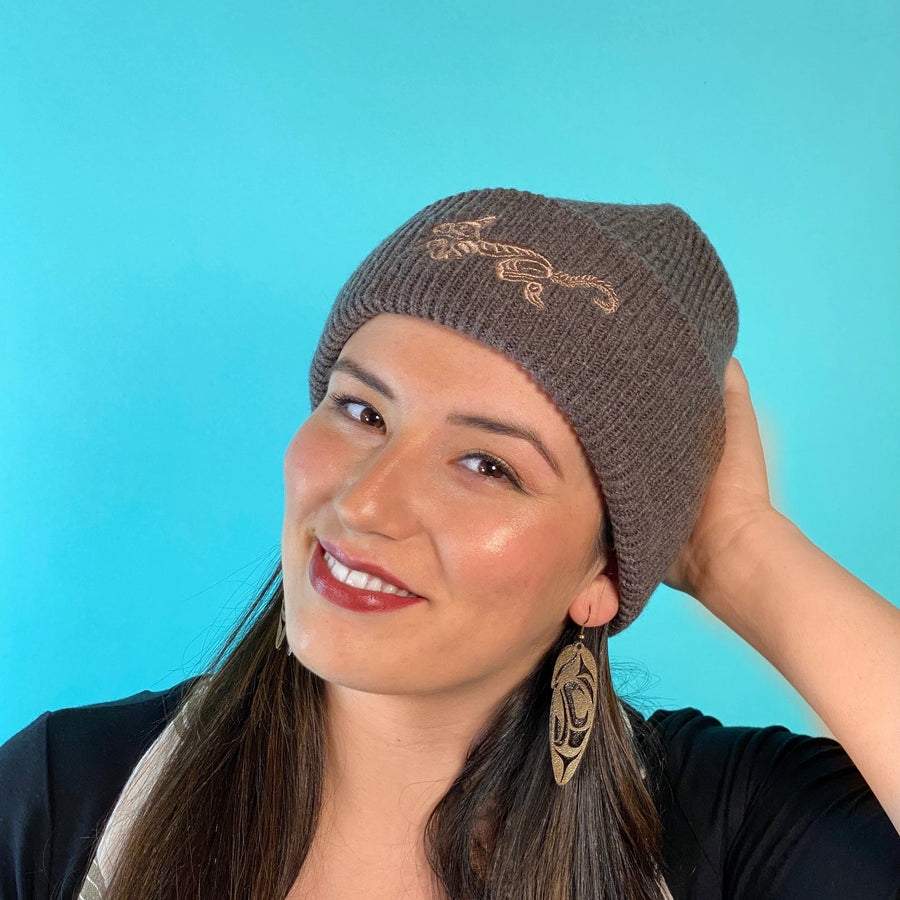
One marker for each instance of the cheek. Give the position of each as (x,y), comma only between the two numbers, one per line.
(513,561)
(536,564)
(312,462)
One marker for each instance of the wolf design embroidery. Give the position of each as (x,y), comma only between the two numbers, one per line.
(457,239)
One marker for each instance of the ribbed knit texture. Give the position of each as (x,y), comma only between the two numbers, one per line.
(640,385)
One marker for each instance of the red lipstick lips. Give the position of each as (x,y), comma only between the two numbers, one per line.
(352,598)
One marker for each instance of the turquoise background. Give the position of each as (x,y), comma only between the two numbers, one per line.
(185,186)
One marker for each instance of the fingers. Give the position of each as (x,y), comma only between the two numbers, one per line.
(737,392)
(743,443)
(735,379)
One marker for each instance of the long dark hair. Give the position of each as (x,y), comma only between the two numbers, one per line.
(235,809)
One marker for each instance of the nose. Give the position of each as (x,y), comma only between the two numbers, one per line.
(381,494)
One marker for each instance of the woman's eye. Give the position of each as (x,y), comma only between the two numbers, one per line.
(490,467)
(359,411)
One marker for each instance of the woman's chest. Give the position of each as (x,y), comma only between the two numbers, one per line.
(335,870)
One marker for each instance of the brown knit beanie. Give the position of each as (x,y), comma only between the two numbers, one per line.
(624,315)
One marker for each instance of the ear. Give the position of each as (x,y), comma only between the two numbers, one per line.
(597,603)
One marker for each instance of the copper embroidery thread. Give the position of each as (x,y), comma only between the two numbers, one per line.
(457,239)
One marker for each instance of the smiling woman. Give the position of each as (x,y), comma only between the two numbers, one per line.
(525,417)
(412,470)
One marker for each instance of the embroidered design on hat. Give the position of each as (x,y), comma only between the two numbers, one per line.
(457,239)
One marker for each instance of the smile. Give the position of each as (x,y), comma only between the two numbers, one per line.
(353,589)
(363,580)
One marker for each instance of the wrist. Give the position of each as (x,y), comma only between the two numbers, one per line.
(730,570)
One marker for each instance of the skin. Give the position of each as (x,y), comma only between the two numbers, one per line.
(502,569)
(392,481)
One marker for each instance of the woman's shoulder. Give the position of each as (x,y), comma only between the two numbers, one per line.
(96,722)
(745,807)
(60,777)
(704,759)
(69,749)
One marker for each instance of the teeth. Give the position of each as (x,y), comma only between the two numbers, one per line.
(356,579)
(361,579)
(339,570)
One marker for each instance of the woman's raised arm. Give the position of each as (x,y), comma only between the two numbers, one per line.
(831,636)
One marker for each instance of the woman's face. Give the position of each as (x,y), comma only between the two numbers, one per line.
(437,464)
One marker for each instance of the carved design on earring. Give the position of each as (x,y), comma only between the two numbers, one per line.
(573,707)
(282,630)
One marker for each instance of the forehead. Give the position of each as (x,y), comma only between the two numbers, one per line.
(423,355)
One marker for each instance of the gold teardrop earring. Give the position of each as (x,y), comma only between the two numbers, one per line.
(282,631)
(573,707)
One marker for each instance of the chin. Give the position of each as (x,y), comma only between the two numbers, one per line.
(356,675)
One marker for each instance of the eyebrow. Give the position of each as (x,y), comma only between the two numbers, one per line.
(494,426)
(365,376)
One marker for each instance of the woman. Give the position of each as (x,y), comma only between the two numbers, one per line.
(518,431)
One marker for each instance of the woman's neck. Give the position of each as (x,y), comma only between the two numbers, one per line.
(389,761)
(397,754)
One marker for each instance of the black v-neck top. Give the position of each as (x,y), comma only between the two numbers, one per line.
(755,813)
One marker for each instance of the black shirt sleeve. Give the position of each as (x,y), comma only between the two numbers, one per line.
(59,780)
(765,814)
(25,814)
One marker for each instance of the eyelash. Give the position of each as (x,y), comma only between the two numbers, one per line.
(340,402)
